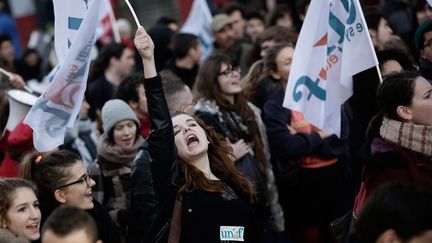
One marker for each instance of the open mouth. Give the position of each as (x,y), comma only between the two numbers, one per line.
(89,196)
(33,227)
(192,140)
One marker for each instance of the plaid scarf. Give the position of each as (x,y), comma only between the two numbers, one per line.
(414,137)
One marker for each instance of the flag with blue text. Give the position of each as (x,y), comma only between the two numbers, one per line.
(198,23)
(74,31)
(333,45)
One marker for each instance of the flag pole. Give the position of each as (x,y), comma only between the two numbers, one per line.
(370,42)
(113,21)
(133,13)
(10,76)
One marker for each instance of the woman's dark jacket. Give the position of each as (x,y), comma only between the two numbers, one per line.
(165,169)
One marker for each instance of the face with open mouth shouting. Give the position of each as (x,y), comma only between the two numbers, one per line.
(190,137)
(24,214)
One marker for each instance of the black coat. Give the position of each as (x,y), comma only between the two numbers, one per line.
(167,178)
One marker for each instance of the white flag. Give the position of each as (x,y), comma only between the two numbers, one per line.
(198,23)
(75,25)
(430,2)
(334,44)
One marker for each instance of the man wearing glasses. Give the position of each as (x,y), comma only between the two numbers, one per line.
(423,43)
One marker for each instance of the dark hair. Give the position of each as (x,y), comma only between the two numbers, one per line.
(221,156)
(4,38)
(404,207)
(66,220)
(232,7)
(397,89)
(172,87)
(103,60)
(393,54)
(8,188)
(255,15)
(164,20)
(128,88)
(279,12)
(420,5)
(301,6)
(373,17)
(49,171)
(181,43)
(207,87)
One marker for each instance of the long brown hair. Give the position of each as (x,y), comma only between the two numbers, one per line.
(8,188)
(221,159)
(251,82)
(207,87)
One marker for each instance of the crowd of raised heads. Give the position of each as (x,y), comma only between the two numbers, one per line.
(171,145)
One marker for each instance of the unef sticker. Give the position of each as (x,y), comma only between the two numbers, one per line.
(231,233)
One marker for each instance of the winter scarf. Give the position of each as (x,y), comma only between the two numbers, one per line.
(414,137)
(115,157)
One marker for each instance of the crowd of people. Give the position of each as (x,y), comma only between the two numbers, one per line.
(170,147)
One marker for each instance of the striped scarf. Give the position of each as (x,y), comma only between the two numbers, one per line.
(414,137)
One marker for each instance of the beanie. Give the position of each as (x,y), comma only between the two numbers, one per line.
(418,37)
(115,111)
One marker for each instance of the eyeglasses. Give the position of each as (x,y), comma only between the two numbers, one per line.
(85,178)
(428,43)
(193,103)
(230,71)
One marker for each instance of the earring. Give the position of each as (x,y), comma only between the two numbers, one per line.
(208,142)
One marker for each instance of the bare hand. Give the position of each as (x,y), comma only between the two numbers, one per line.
(17,81)
(323,134)
(240,148)
(144,44)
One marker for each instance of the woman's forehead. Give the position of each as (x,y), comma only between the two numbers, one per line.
(182,118)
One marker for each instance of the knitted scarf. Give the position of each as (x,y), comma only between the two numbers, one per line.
(414,137)
(113,156)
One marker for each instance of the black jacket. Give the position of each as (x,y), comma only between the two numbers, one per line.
(144,204)
(167,177)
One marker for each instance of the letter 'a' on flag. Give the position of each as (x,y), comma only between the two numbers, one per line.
(333,45)
(198,23)
(74,31)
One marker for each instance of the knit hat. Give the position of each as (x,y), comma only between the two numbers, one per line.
(115,111)
(220,21)
(418,38)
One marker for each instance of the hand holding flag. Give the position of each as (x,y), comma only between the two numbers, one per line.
(333,45)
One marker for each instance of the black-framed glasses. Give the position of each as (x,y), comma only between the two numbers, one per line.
(230,71)
(428,43)
(85,178)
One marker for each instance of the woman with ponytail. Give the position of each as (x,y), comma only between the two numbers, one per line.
(62,179)
(399,137)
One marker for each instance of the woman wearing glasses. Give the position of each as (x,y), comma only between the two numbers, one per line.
(62,179)
(222,105)
(19,211)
